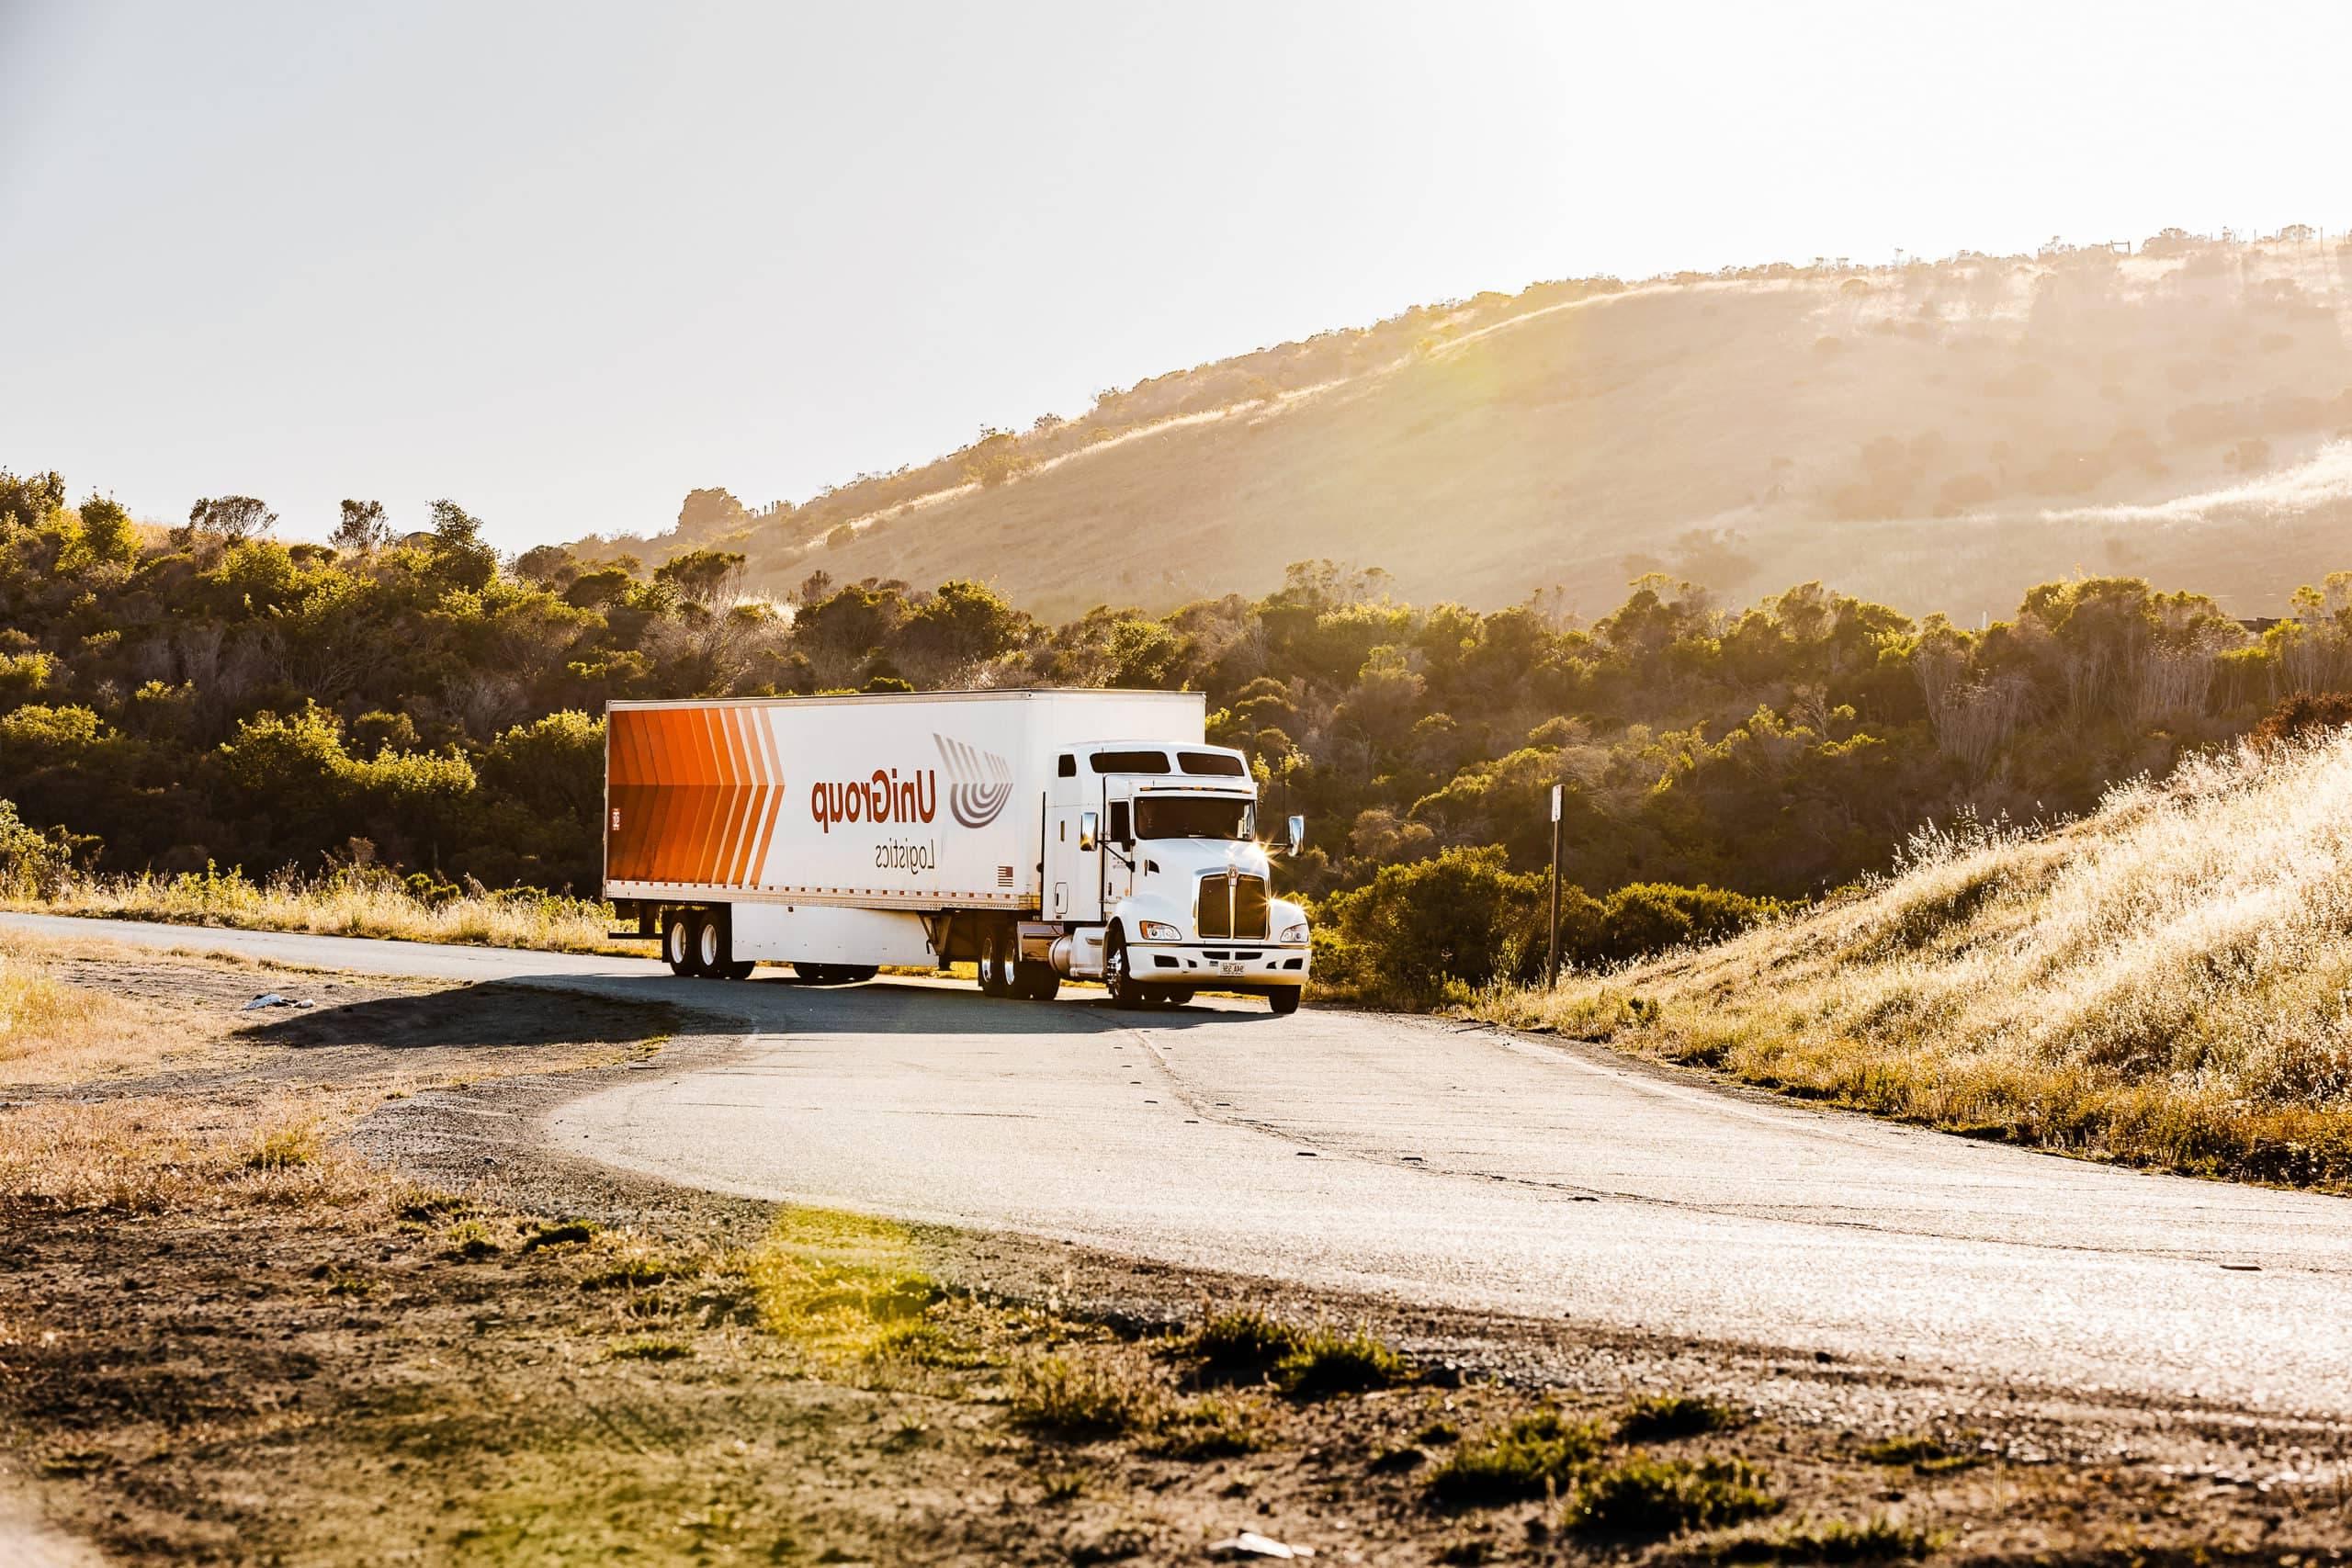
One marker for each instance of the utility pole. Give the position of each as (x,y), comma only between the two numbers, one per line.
(1552,968)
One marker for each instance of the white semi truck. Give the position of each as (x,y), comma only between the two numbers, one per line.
(1042,834)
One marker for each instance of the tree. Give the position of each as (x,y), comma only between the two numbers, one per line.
(107,533)
(364,529)
(709,578)
(458,551)
(25,502)
(228,518)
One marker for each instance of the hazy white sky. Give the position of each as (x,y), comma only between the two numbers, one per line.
(564,262)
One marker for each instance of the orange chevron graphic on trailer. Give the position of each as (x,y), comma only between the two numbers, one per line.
(692,795)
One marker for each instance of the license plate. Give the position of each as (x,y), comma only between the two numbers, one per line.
(1231,968)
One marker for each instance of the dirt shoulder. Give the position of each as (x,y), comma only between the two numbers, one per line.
(303,1284)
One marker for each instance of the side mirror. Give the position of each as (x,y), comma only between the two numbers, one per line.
(1088,824)
(1297,833)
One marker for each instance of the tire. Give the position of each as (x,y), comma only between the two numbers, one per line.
(1125,995)
(1036,982)
(1176,997)
(680,941)
(714,945)
(998,961)
(1285,1001)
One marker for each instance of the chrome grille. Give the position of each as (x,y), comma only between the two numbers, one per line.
(1233,906)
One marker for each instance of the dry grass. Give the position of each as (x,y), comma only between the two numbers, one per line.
(346,903)
(2168,982)
(166,1154)
(51,1031)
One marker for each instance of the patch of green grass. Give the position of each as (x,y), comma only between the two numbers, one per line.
(428,1206)
(843,1283)
(1641,1498)
(469,1240)
(1306,1363)
(284,1148)
(648,1347)
(636,1271)
(350,1285)
(1875,1541)
(1210,1428)
(1528,1457)
(1926,1455)
(566,1235)
(1324,1363)
(1663,1417)
(1080,1402)
(922,1342)
(1061,1486)
(1240,1347)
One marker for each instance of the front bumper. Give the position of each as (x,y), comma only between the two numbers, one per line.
(1219,966)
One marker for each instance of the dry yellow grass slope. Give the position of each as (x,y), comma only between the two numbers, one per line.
(344,904)
(2165,982)
(1936,435)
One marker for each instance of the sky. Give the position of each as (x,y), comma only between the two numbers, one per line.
(563,263)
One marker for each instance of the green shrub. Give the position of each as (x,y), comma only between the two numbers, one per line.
(1306,1363)
(1530,1457)
(1462,918)
(1079,1403)
(1660,1418)
(1641,1498)
(32,865)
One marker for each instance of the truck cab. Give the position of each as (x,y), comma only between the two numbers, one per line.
(1155,879)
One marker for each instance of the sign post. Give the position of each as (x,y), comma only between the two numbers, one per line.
(1552,968)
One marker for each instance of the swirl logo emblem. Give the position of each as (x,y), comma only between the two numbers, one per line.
(982,782)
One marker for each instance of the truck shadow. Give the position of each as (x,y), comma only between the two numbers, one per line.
(493,1015)
(891,1005)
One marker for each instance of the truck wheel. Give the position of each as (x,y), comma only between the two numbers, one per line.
(1124,994)
(680,942)
(1036,982)
(714,946)
(1285,1001)
(1175,996)
(997,960)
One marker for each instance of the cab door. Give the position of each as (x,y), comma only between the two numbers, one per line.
(1073,890)
(1118,846)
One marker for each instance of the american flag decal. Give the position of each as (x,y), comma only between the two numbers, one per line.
(1004,877)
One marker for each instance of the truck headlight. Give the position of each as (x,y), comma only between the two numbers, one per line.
(1160,930)
(1294,934)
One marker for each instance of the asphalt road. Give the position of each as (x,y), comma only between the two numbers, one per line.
(1456,1166)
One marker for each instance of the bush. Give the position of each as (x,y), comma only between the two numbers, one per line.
(1462,919)
(2303,716)
(1644,918)
(32,865)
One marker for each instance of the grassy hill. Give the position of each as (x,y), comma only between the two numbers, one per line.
(2162,982)
(1937,436)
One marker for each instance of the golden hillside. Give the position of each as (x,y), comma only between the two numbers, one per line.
(2162,982)
(1938,436)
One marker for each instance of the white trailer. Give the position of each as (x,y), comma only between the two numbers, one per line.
(1042,834)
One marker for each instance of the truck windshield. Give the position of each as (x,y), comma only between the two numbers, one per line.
(1194,817)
